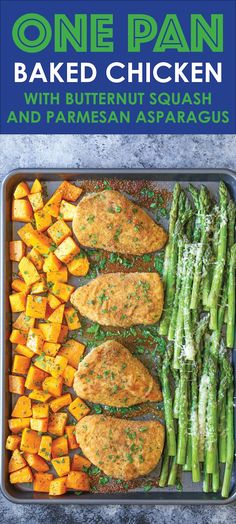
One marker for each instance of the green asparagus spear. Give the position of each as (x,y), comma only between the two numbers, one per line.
(173,473)
(183,415)
(230,331)
(172,221)
(230,441)
(211,422)
(189,348)
(168,406)
(164,469)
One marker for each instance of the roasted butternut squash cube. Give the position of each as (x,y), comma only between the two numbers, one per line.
(22,407)
(51,263)
(59,231)
(63,334)
(35,378)
(53,302)
(36,187)
(60,402)
(40,410)
(39,424)
(20,364)
(42,220)
(39,395)
(35,340)
(17,250)
(25,233)
(61,465)
(53,386)
(57,423)
(16,425)
(72,318)
(79,266)
(57,276)
(44,362)
(52,207)
(18,337)
(67,211)
(36,258)
(78,408)
(67,250)
(36,306)
(70,432)
(21,476)
(51,349)
(28,271)
(21,191)
(69,191)
(30,441)
(78,480)
(20,286)
(23,350)
(57,487)
(23,322)
(62,291)
(59,447)
(21,211)
(45,447)
(50,331)
(36,462)
(16,384)
(39,287)
(13,442)
(38,240)
(16,461)
(42,482)
(57,314)
(73,351)
(58,367)
(68,376)
(17,302)
(36,201)
(79,463)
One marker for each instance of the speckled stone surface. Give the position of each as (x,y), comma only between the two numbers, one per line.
(112,151)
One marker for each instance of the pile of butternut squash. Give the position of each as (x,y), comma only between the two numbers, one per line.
(44,358)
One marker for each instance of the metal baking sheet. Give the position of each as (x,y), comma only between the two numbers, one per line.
(192,493)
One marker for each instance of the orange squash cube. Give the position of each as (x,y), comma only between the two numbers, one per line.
(62,291)
(36,187)
(16,425)
(57,276)
(25,233)
(39,395)
(36,306)
(57,315)
(63,334)
(20,364)
(69,191)
(67,211)
(51,263)
(39,287)
(53,386)
(43,220)
(50,331)
(36,258)
(78,480)
(51,349)
(42,482)
(23,322)
(59,231)
(22,407)
(57,487)
(17,302)
(70,432)
(79,266)
(20,286)
(35,340)
(21,191)
(57,423)
(36,201)
(30,441)
(21,211)
(59,447)
(73,351)
(35,378)
(23,350)
(45,448)
(52,207)
(68,376)
(53,302)
(72,318)
(18,337)
(58,366)
(60,402)
(67,250)
(13,442)
(36,462)
(79,463)
(17,250)
(39,424)
(40,410)
(21,476)
(16,461)
(61,465)
(78,408)
(28,271)
(16,384)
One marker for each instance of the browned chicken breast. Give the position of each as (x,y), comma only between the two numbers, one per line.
(121,299)
(124,449)
(108,220)
(110,375)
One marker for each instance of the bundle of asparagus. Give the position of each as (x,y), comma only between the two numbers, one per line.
(199,322)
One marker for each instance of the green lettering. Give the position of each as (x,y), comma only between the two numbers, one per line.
(100,33)
(141,29)
(26,44)
(171,36)
(211,34)
(75,34)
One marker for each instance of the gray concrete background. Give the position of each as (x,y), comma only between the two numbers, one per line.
(101,151)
